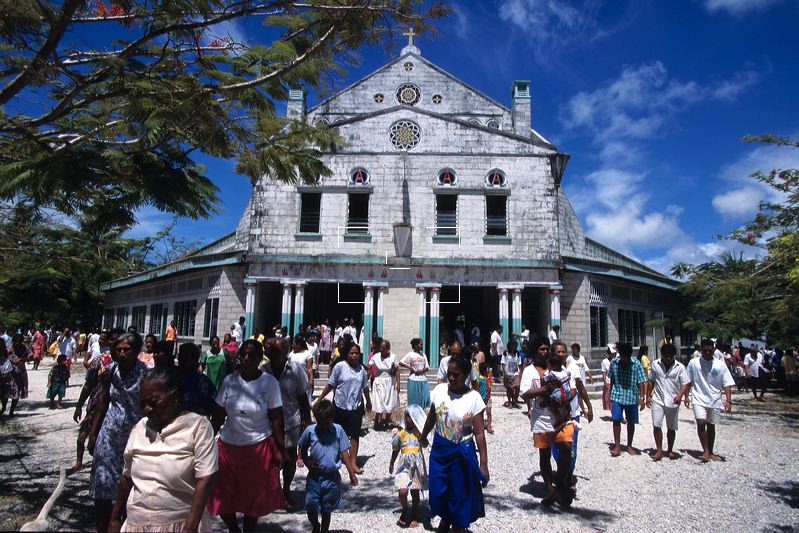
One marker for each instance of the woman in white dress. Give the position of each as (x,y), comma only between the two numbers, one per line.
(385,391)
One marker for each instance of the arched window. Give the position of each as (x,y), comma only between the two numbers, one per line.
(493,124)
(474,121)
(321,122)
(447,176)
(359,176)
(496,178)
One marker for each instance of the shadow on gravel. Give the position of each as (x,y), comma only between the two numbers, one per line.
(375,495)
(787,492)
(779,528)
(597,520)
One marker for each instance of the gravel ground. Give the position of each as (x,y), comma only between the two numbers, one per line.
(755,487)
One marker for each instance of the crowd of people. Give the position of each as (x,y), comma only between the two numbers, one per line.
(180,435)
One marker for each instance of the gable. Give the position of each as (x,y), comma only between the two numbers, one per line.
(372,133)
(438,92)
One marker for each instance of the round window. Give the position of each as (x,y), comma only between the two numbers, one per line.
(408,94)
(405,134)
(379,97)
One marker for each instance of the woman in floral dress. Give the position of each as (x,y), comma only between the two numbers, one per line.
(118,410)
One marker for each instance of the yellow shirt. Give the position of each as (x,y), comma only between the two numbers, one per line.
(164,467)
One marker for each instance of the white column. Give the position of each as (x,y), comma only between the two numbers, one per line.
(434,349)
(554,308)
(503,314)
(422,292)
(381,294)
(249,310)
(368,320)
(285,309)
(516,308)
(299,307)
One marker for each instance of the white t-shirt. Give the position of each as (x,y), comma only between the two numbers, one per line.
(753,364)
(496,338)
(314,350)
(525,335)
(336,334)
(581,363)
(709,379)
(606,369)
(540,417)
(247,404)
(238,333)
(574,373)
(718,354)
(552,336)
(455,412)
(667,383)
(441,375)
(511,364)
(459,335)
(352,331)
(416,362)
(301,358)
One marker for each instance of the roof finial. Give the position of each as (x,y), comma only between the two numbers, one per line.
(410,48)
(410,33)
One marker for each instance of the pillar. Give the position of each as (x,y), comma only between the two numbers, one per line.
(435,342)
(249,309)
(422,292)
(368,320)
(285,309)
(503,314)
(381,294)
(554,308)
(516,312)
(299,307)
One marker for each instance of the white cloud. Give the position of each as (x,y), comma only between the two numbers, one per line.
(641,102)
(463,24)
(693,252)
(553,25)
(737,7)
(741,194)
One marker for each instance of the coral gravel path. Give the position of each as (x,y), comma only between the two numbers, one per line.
(755,487)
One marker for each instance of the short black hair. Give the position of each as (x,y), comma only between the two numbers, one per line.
(168,376)
(132,338)
(625,349)
(323,409)
(416,341)
(707,342)
(484,367)
(575,346)
(668,349)
(463,364)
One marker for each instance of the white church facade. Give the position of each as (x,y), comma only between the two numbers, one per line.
(444,206)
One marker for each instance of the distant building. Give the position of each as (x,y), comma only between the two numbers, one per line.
(440,195)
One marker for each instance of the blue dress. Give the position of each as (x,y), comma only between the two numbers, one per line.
(124,411)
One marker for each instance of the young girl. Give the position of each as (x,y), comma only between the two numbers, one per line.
(411,473)
(57,381)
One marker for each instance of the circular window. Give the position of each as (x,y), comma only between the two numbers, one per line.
(437,98)
(379,97)
(447,176)
(475,122)
(359,176)
(495,178)
(408,66)
(493,124)
(405,134)
(408,94)
(321,122)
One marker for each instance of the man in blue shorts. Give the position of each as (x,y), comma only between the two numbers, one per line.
(627,380)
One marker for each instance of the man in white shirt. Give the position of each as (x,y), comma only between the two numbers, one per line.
(351,330)
(66,344)
(237,331)
(474,333)
(456,350)
(459,334)
(497,349)
(579,359)
(707,377)
(667,377)
(753,366)
(525,334)
(554,334)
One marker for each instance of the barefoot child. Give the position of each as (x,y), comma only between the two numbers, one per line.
(411,473)
(486,380)
(57,381)
(323,447)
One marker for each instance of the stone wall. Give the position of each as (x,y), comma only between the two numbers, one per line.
(401,322)
(574,310)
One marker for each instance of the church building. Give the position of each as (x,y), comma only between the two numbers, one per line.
(444,207)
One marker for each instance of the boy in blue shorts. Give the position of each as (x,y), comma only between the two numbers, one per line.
(324,446)
(627,395)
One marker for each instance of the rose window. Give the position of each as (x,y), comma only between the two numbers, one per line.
(408,66)
(408,94)
(405,134)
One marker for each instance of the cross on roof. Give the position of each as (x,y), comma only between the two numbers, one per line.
(410,33)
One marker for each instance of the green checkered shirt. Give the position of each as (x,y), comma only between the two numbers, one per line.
(624,380)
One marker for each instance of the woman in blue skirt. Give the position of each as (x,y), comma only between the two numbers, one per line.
(456,478)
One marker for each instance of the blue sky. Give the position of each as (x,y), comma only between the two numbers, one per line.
(651,99)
